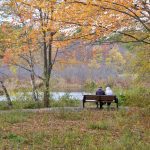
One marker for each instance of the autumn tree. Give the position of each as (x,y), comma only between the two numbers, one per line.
(138,62)
(3,75)
(48,23)
(19,53)
(109,17)
(39,17)
(55,23)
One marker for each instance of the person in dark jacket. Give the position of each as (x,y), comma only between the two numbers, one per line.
(100,92)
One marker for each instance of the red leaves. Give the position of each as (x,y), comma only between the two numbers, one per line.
(7,56)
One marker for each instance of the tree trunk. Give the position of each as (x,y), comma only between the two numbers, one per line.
(46,93)
(34,90)
(47,53)
(47,70)
(6,93)
(46,74)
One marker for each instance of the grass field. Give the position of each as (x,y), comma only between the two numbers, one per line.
(90,129)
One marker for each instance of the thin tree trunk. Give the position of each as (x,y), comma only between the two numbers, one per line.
(46,74)
(46,93)
(47,71)
(47,50)
(6,93)
(32,73)
(34,89)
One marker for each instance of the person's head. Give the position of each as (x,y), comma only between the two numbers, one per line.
(100,87)
(108,88)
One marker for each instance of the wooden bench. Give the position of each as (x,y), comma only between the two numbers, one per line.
(99,98)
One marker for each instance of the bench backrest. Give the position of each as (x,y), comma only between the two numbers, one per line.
(107,98)
(91,97)
(99,97)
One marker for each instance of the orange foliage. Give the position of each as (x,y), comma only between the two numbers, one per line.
(65,21)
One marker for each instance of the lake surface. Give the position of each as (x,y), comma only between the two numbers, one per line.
(55,95)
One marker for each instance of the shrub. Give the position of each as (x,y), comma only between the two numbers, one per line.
(122,99)
(4,105)
(15,138)
(26,104)
(90,86)
(137,97)
(65,101)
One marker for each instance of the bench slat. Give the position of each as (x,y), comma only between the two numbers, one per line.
(91,97)
(107,98)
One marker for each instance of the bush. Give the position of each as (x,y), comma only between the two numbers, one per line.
(122,99)
(26,104)
(4,105)
(15,138)
(90,86)
(138,96)
(65,101)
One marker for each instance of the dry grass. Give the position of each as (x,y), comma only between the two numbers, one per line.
(85,130)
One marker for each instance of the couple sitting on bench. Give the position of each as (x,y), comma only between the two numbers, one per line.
(107,92)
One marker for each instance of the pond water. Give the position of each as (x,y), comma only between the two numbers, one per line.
(55,95)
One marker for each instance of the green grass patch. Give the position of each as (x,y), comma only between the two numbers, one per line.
(15,138)
(14,117)
(103,125)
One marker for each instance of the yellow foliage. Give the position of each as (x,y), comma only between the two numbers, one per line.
(46,21)
(115,57)
(94,64)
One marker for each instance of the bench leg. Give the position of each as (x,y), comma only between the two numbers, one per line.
(117,105)
(97,104)
(83,103)
(116,101)
(101,105)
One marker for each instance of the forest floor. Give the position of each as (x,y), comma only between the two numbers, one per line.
(82,129)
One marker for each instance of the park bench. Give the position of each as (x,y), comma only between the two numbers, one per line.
(99,98)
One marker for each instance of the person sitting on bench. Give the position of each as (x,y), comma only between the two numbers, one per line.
(100,92)
(110,92)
